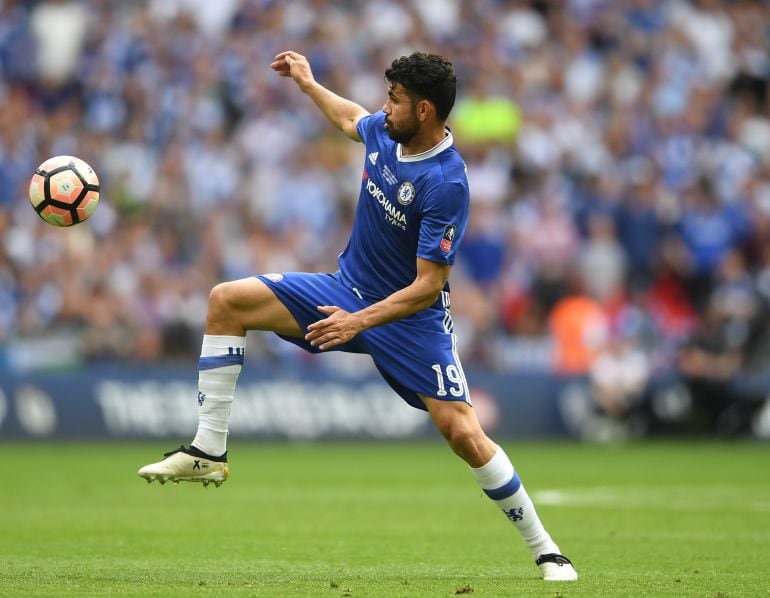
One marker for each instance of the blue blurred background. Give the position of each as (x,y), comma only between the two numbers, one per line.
(614,281)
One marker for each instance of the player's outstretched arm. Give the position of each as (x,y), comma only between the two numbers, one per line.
(342,113)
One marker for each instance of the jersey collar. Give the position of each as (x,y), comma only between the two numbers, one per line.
(434,151)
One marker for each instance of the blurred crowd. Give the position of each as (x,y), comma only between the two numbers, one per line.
(618,154)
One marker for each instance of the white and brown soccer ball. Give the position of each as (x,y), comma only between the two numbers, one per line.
(64,191)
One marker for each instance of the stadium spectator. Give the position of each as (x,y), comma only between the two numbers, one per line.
(619,383)
(580,331)
(710,363)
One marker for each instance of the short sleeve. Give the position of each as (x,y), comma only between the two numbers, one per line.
(444,220)
(365,125)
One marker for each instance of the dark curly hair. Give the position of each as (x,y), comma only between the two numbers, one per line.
(426,77)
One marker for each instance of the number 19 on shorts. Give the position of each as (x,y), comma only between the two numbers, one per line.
(451,378)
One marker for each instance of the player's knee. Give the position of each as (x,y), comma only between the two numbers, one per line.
(219,299)
(460,433)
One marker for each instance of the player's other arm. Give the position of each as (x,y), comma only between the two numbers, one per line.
(341,326)
(421,294)
(342,113)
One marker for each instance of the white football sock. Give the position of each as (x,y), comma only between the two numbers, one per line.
(502,484)
(218,368)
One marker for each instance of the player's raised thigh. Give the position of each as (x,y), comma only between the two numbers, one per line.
(248,304)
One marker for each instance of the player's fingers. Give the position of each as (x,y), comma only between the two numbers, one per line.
(287,52)
(318,330)
(281,68)
(318,325)
(332,342)
(283,62)
(289,56)
(324,340)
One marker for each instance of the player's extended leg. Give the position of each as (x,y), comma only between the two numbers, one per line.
(457,422)
(233,309)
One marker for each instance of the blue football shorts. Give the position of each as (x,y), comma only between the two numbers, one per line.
(415,355)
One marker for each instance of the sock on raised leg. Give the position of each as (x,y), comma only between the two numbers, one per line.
(218,369)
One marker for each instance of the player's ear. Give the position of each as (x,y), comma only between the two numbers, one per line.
(424,110)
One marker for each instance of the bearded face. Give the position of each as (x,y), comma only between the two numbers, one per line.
(401,122)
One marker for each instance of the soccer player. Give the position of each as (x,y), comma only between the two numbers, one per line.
(389,298)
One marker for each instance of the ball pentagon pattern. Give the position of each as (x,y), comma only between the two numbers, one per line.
(64,191)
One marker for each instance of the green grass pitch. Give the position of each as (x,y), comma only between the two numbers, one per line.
(353,519)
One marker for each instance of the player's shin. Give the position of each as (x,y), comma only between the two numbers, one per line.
(502,484)
(218,369)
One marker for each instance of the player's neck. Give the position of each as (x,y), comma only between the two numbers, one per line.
(424,141)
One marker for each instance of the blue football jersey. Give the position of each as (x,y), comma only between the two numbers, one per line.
(409,207)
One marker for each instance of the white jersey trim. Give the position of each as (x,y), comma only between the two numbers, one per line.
(434,151)
(459,366)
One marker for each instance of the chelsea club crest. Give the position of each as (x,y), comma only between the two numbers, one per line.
(406,193)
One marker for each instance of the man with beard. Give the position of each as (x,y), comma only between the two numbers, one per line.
(389,298)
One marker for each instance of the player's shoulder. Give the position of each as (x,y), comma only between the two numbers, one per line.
(453,167)
(446,174)
(376,117)
(446,182)
(371,128)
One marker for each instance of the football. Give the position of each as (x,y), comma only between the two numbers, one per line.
(64,191)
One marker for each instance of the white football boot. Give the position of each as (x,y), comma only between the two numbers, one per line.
(556,567)
(187,465)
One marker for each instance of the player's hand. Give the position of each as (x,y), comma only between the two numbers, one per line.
(294,65)
(338,328)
